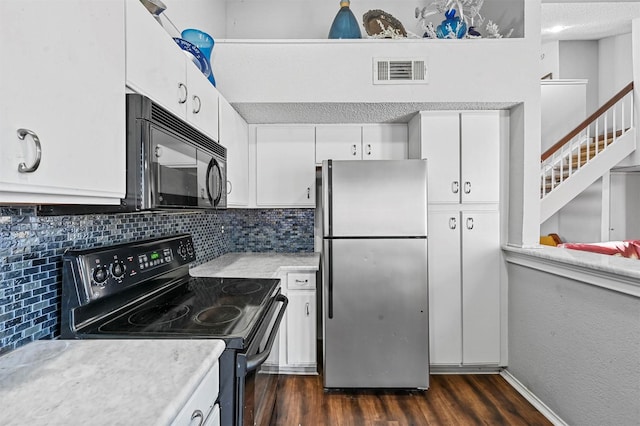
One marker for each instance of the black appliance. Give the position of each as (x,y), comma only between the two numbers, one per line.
(170,165)
(143,290)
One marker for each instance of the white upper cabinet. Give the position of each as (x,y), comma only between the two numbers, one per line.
(361,142)
(463,154)
(285,167)
(157,68)
(61,79)
(234,135)
(384,142)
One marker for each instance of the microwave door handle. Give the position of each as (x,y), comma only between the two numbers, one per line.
(254,361)
(215,198)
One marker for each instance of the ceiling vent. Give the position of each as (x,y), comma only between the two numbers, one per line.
(400,71)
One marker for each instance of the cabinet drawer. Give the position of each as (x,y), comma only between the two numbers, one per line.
(202,400)
(301,281)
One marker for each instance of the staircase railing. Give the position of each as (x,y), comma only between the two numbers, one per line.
(592,136)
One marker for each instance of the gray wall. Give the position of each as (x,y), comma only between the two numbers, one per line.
(579,60)
(576,347)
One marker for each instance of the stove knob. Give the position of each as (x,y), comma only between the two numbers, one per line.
(100,274)
(182,251)
(118,269)
(190,249)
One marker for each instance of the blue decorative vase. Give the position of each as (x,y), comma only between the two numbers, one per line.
(204,42)
(344,24)
(452,26)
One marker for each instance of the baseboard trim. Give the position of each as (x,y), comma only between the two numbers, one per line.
(534,400)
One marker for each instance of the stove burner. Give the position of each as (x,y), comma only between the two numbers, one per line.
(157,315)
(243,287)
(218,315)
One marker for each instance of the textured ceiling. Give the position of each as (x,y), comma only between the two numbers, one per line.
(322,113)
(587,20)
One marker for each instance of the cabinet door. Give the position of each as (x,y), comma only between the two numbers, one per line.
(156,67)
(202,102)
(338,143)
(445,320)
(285,168)
(61,77)
(384,142)
(234,135)
(440,134)
(480,170)
(301,328)
(481,287)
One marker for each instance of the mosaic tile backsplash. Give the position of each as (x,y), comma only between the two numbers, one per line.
(31,249)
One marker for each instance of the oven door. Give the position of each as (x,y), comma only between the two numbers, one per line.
(256,390)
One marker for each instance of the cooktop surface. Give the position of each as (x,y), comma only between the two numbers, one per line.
(212,308)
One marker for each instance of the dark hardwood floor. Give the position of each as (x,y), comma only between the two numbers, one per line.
(484,399)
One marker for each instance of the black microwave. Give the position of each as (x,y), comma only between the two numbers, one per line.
(170,165)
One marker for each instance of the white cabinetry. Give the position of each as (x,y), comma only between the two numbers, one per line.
(234,135)
(464,287)
(201,408)
(361,142)
(298,333)
(61,77)
(463,154)
(157,68)
(285,168)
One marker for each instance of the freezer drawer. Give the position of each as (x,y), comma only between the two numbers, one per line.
(376,313)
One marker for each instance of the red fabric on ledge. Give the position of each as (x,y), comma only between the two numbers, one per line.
(627,248)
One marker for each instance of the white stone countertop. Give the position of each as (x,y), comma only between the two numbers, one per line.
(102,382)
(257,265)
(614,272)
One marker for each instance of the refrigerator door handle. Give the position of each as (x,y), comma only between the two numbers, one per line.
(330,280)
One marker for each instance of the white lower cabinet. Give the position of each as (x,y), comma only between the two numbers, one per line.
(464,287)
(201,408)
(298,333)
(62,108)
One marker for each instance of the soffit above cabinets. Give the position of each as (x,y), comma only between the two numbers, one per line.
(327,113)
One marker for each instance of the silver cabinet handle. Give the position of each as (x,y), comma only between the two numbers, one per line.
(183,93)
(453,223)
(302,281)
(197,414)
(354,149)
(229,187)
(469,223)
(455,186)
(22,167)
(308,193)
(368,149)
(306,308)
(467,187)
(196,100)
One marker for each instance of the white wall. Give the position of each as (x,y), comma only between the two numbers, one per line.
(615,65)
(579,60)
(550,59)
(564,107)
(576,347)
(209,16)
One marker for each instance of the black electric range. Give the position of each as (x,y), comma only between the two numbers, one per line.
(143,290)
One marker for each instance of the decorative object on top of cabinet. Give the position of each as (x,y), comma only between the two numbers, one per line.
(204,42)
(380,24)
(195,55)
(64,110)
(455,27)
(156,7)
(158,69)
(344,24)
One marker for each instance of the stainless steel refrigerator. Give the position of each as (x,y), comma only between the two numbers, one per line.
(375,298)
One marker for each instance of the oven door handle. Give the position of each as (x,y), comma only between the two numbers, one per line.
(254,361)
